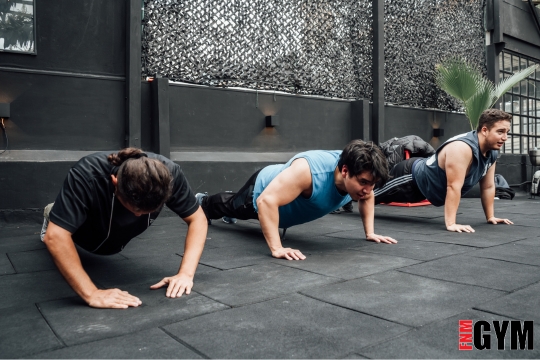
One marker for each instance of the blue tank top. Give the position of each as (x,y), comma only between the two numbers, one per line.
(325,197)
(431,179)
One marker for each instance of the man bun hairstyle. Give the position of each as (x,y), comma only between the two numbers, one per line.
(491,116)
(142,182)
(360,156)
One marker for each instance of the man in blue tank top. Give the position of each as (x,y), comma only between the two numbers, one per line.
(307,187)
(460,163)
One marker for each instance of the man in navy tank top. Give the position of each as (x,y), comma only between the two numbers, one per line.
(460,163)
(309,186)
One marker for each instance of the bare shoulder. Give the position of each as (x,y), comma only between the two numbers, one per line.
(457,146)
(301,171)
(456,153)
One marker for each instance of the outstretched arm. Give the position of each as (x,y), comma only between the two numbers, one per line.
(195,239)
(456,158)
(282,190)
(366,207)
(487,196)
(60,244)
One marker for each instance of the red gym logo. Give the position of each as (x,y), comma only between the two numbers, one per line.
(478,334)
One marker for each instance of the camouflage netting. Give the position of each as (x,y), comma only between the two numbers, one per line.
(313,47)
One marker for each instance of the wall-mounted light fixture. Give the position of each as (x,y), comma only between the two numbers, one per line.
(438,132)
(4,110)
(272,121)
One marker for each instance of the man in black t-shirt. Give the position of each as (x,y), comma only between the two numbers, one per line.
(106,200)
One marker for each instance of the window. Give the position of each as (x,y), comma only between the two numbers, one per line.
(17,24)
(523,102)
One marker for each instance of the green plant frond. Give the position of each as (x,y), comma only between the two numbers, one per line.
(475,106)
(458,78)
(509,83)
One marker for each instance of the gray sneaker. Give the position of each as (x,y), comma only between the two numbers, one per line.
(200,197)
(229,220)
(348,207)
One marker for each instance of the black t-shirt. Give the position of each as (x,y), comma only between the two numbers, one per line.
(89,210)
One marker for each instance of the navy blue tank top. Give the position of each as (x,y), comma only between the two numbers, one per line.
(431,179)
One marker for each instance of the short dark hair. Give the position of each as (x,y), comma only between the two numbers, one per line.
(142,182)
(360,156)
(490,116)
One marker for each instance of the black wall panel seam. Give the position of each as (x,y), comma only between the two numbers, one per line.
(63,73)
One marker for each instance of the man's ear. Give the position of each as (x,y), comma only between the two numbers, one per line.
(114,180)
(344,171)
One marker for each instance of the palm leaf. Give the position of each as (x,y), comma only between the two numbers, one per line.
(509,83)
(482,100)
(458,78)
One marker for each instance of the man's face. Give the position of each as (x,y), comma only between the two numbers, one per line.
(360,186)
(497,135)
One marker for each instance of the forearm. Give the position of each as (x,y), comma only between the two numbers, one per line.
(67,260)
(194,246)
(451,205)
(487,198)
(269,219)
(367,214)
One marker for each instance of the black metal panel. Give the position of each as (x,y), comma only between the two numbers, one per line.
(377,120)
(133,73)
(160,117)
(360,120)
(58,112)
(83,36)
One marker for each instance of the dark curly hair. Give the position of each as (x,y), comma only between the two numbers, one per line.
(490,116)
(142,182)
(360,156)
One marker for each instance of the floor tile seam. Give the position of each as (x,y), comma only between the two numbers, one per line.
(355,310)
(525,286)
(442,242)
(493,313)
(12,265)
(503,260)
(360,351)
(184,343)
(56,335)
(313,272)
(410,258)
(458,283)
(215,300)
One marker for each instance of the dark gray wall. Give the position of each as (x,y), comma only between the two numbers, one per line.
(63,112)
(234,120)
(83,36)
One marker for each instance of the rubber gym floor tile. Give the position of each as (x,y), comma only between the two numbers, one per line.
(349,264)
(75,322)
(289,327)
(146,344)
(22,289)
(24,332)
(403,298)
(147,270)
(256,283)
(514,252)
(522,304)
(5,265)
(494,274)
(418,250)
